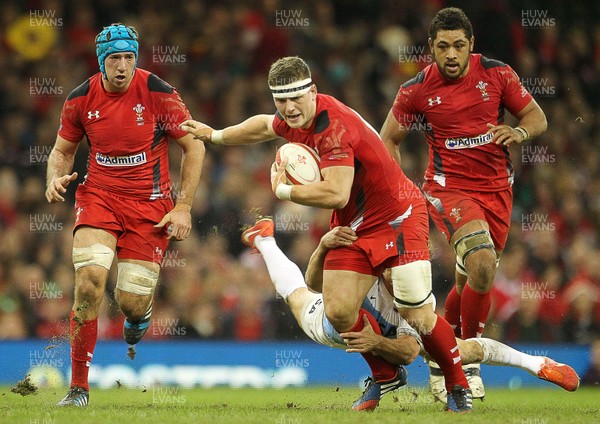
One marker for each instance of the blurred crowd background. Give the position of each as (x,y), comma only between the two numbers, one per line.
(217,55)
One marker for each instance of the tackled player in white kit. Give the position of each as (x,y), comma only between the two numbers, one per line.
(398,343)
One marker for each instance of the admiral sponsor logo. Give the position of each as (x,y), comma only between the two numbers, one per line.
(468,142)
(132,160)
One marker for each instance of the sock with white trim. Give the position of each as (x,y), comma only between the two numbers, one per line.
(496,353)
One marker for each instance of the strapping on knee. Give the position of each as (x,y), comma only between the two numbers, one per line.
(469,244)
(412,284)
(96,254)
(136,279)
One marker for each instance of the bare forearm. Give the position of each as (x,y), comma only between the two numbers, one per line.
(59,164)
(323,195)
(314,271)
(394,350)
(191,170)
(392,135)
(253,130)
(534,123)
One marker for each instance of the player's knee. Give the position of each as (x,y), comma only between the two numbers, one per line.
(476,257)
(481,268)
(421,319)
(135,287)
(133,306)
(87,300)
(339,316)
(89,284)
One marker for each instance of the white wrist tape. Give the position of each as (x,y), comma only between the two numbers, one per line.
(216,136)
(284,191)
(523,132)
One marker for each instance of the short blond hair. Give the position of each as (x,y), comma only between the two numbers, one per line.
(287,70)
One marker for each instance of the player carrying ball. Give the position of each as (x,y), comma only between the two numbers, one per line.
(370,194)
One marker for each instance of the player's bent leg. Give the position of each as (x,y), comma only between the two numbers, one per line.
(136,282)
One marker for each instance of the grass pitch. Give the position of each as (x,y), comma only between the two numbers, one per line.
(295,406)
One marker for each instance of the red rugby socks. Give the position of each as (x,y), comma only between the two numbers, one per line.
(441,345)
(452,314)
(474,309)
(83,341)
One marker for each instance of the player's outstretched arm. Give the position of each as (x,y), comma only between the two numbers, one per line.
(191,169)
(392,135)
(255,129)
(60,164)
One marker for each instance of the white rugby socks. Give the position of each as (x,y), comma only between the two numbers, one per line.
(496,353)
(285,275)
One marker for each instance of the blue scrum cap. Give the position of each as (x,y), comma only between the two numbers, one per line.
(115,38)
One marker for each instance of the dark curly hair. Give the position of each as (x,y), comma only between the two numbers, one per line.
(450,18)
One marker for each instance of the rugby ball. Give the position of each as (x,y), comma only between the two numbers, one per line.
(302,163)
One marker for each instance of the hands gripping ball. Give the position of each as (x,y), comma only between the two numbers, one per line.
(302,163)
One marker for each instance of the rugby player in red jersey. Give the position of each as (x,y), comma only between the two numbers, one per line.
(369,193)
(462,98)
(125,204)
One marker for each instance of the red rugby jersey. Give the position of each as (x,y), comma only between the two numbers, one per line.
(380,190)
(455,114)
(127,133)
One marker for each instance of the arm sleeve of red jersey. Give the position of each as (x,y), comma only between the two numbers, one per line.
(172,113)
(279,125)
(403,109)
(335,147)
(70,127)
(514,96)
